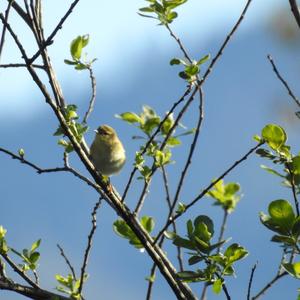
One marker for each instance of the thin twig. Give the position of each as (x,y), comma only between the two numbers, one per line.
(2,40)
(143,196)
(168,198)
(49,40)
(250,281)
(211,185)
(292,181)
(89,244)
(180,289)
(295,11)
(151,282)
(283,81)
(62,253)
(223,227)
(177,39)
(226,41)
(19,271)
(185,94)
(269,285)
(4,66)
(93,97)
(190,155)
(140,203)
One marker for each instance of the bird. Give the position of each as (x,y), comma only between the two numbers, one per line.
(107,152)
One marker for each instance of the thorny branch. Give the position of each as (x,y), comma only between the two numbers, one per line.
(93,97)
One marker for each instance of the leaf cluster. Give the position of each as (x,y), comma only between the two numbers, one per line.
(122,229)
(163,10)
(69,285)
(78,129)
(198,240)
(76,48)
(225,195)
(30,256)
(148,121)
(191,69)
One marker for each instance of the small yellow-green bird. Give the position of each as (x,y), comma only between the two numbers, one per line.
(107,152)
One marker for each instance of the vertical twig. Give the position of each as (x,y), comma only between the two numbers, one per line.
(250,281)
(89,244)
(93,97)
(292,181)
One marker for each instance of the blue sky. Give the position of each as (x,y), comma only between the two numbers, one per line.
(242,95)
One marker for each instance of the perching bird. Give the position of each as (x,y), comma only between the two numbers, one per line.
(107,152)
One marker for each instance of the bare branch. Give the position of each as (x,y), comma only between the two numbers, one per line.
(250,281)
(89,244)
(4,66)
(177,39)
(62,253)
(295,11)
(49,40)
(223,46)
(269,285)
(292,181)
(29,292)
(283,81)
(93,97)
(2,40)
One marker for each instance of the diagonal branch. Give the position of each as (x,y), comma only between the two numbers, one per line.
(295,11)
(204,192)
(283,81)
(180,289)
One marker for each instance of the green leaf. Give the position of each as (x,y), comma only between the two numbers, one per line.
(21,152)
(147,223)
(34,257)
(296,227)
(272,224)
(70,62)
(274,135)
(195,259)
(2,232)
(217,286)
(129,117)
(167,124)
(173,141)
(293,269)
(202,232)
(188,275)
(35,245)
(76,48)
(81,66)
(150,124)
(190,228)
(235,252)
(184,243)
(59,131)
(170,235)
(283,239)
(207,221)
(271,171)
(203,59)
(192,70)
(295,165)
(122,229)
(201,245)
(180,208)
(281,211)
(257,138)
(175,61)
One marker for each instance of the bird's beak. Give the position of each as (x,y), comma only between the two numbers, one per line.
(95,130)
